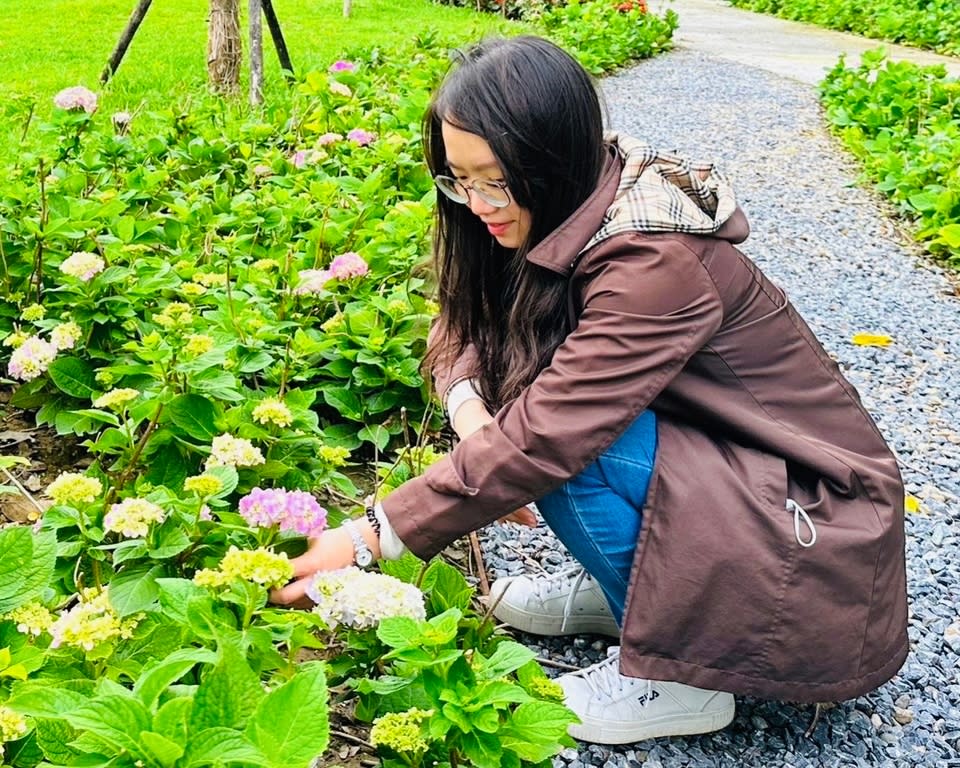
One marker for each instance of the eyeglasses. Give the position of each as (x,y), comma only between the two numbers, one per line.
(493,193)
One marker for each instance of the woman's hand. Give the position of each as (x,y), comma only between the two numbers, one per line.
(331,550)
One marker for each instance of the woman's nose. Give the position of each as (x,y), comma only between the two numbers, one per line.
(478,206)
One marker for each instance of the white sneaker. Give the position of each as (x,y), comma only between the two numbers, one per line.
(566,603)
(615,709)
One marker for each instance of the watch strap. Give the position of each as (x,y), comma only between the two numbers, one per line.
(362,556)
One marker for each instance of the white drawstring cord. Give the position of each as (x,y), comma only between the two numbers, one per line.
(800,514)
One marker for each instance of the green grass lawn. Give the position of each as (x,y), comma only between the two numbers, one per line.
(46,45)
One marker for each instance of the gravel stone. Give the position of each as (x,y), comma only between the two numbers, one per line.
(832,244)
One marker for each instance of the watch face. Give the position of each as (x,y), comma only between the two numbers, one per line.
(364,558)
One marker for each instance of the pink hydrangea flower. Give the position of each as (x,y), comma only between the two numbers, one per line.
(340,89)
(76,97)
(263,170)
(312,281)
(348,265)
(295,511)
(328,138)
(361,137)
(299,159)
(31,358)
(341,65)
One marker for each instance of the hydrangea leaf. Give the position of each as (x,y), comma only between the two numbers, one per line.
(221,746)
(27,561)
(278,727)
(74,377)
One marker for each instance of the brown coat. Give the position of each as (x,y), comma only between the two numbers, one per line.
(751,412)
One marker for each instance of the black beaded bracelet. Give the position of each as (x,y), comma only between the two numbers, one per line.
(371,514)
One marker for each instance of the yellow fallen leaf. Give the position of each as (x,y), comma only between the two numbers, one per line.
(912,504)
(872,339)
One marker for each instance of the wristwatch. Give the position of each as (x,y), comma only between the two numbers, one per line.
(362,555)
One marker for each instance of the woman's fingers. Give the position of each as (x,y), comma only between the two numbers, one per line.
(522,516)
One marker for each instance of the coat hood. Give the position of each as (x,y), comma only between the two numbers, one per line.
(662,192)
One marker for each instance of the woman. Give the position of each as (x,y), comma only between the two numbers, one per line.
(606,351)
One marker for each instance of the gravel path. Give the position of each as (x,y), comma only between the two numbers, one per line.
(832,246)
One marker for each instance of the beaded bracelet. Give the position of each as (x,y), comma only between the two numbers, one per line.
(374,521)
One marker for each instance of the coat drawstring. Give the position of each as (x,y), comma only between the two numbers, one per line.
(800,515)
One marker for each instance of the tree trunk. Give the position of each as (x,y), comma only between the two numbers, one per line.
(129,31)
(223,46)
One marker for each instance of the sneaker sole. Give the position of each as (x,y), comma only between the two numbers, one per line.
(600,732)
(552,626)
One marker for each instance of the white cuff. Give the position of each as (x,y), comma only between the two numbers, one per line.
(391,548)
(458,394)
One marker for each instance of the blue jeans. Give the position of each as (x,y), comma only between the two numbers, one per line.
(597,514)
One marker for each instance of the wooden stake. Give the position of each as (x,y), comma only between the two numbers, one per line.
(125,38)
(256,53)
(279,43)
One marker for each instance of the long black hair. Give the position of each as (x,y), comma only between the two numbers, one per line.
(539,111)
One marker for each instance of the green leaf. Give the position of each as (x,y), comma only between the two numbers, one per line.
(220,746)
(507,657)
(44,700)
(376,434)
(116,719)
(278,727)
(228,692)
(73,376)
(537,730)
(195,415)
(155,678)
(173,718)
(135,590)
(27,561)
(345,401)
(167,466)
(950,234)
(160,748)
(53,736)
(399,632)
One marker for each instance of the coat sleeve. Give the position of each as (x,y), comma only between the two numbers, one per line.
(450,367)
(648,305)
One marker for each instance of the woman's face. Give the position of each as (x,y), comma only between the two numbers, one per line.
(470,159)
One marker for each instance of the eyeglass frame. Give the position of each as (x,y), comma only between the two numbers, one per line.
(472,187)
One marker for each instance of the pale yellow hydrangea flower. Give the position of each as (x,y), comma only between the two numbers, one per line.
(90,622)
(335,456)
(229,451)
(210,279)
(271,410)
(192,290)
(175,315)
(13,725)
(203,485)
(32,619)
(33,313)
(65,335)
(74,488)
(16,339)
(400,731)
(258,565)
(132,517)
(116,399)
(198,344)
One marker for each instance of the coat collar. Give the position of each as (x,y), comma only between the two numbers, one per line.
(558,250)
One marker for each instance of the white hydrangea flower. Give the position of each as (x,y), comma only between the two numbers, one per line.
(362,599)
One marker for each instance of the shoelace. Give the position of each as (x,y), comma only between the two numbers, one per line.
(605,681)
(577,574)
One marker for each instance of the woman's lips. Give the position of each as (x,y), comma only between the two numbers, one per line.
(497,230)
